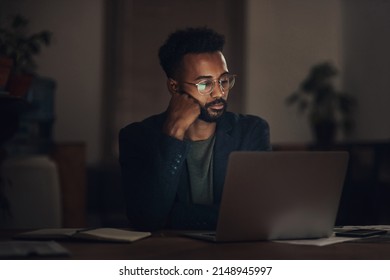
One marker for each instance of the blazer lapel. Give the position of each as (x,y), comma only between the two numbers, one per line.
(224,144)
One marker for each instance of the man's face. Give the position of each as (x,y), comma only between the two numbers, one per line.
(198,67)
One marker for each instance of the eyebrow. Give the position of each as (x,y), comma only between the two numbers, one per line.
(210,77)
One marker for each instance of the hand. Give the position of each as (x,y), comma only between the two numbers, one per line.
(183,110)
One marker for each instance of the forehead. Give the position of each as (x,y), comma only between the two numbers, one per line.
(203,64)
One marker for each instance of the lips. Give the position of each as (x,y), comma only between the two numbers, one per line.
(216,105)
(212,111)
(219,106)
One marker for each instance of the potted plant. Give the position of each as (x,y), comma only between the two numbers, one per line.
(327,108)
(20,47)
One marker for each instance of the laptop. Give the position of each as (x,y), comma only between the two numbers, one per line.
(279,196)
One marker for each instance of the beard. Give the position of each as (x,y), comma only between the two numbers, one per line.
(211,115)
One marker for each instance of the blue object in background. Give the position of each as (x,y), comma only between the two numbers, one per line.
(35,133)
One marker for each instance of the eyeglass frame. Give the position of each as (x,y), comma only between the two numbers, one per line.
(213,84)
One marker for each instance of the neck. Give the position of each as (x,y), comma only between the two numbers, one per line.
(200,130)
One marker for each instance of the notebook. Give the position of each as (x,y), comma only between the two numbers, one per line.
(96,234)
(279,195)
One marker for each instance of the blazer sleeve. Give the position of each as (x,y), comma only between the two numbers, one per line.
(151,164)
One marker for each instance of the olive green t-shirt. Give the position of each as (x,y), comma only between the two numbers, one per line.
(200,171)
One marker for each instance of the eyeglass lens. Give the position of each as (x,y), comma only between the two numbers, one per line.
(206,86)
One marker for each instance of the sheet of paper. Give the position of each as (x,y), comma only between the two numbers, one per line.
(334,239)
(379,227)
(318,242)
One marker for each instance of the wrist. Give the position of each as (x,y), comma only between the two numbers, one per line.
(174,131)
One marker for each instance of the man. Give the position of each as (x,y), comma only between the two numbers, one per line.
(174,164)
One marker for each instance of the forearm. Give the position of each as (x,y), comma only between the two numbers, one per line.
(151,173)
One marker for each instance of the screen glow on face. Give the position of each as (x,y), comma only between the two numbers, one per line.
(206,86)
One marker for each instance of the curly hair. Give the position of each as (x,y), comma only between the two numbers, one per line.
(190,40)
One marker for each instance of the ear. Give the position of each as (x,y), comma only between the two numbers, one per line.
(172,86)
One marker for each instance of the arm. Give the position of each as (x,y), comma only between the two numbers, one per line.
(152,158)
(151,164)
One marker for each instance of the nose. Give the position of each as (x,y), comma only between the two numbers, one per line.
(218,91)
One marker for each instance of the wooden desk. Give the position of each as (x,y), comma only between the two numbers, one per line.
(172,246)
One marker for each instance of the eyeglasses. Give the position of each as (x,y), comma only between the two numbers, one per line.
(206,86)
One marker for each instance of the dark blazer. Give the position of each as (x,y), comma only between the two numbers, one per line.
(154,176)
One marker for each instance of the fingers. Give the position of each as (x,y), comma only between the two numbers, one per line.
(188,96)
(183,110)
(185,105)
(183,93)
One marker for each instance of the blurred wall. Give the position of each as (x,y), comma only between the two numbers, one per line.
(74,60)
(366,45)
(285,38)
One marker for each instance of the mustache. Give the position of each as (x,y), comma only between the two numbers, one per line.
(215,102)
(216,115)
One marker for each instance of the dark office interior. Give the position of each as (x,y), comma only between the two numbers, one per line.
(100,71)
